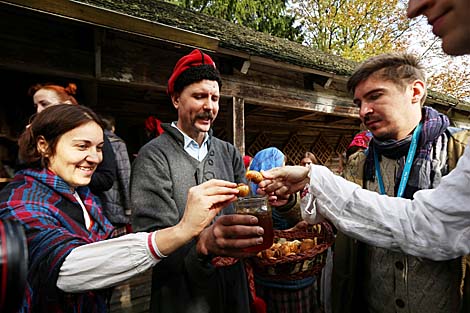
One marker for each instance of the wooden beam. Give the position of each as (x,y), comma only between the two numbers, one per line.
(31,69)
(265,124)
(302,117)
(270,62)
(334,120)
(98,35)
(239,124)
(284,99)
(254,110)
(141,85)
(118,21)
(281,65)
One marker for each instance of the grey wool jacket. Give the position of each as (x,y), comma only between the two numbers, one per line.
(162,174)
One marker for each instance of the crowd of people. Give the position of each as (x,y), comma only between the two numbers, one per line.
(92,220)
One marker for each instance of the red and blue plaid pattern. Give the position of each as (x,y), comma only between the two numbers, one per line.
(38,200)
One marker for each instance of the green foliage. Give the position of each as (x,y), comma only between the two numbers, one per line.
(268,16)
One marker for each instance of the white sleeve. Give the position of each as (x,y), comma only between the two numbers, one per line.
(106,263)
(435,225)
(308,209)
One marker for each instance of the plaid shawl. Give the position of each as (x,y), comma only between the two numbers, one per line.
(38,199)
(429,164)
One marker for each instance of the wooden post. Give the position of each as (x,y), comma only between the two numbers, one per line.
(91,87)
(238,112)
(98,35)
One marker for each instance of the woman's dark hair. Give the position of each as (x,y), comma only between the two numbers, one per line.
(51,124)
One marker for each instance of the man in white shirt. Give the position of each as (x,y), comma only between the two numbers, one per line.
(436,223)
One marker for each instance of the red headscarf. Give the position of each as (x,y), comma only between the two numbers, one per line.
(247,160)
(361,140)
(154,126)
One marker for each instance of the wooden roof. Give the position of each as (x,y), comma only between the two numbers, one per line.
(231,36)
(150,17)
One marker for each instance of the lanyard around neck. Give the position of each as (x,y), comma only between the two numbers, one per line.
(408,162)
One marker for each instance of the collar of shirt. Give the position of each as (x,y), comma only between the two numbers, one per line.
(192,147)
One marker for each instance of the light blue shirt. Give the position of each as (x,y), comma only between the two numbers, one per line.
(192,147)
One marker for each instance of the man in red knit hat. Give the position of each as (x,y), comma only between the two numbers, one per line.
(196,278)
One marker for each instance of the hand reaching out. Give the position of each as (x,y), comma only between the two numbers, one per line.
(280,182)
(204,202)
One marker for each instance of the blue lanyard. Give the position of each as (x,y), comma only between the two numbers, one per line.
(408,162)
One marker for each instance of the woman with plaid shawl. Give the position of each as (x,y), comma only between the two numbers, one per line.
(72,260)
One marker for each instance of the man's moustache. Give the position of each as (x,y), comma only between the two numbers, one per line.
(205,115)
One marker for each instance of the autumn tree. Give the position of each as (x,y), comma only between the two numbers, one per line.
(446,74)
(269,16)
(452,80)
(359,29)
(354,29)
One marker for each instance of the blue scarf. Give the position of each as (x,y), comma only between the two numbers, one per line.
(267,159)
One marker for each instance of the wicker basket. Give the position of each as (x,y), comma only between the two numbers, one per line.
(301,265)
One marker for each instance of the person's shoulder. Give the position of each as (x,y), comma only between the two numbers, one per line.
(214,139)
(457,141)
(460,135)
(357,159)
(222,143)
(155,151)
(222,146)
(25,190)
(113,138)
(154,145)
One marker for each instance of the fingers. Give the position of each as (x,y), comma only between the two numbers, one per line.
(278,202)
(302,225)
(237,219)
(217,207)
(215,187)
(235,232)
(222,240)
(272,173)
(270,186)
(265,183)
(219,182)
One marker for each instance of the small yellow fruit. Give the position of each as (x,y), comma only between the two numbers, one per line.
(244,190)
(254,176)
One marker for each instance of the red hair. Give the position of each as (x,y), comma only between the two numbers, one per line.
(63,93)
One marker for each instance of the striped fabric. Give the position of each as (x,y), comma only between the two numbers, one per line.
(289,301)
(53,221)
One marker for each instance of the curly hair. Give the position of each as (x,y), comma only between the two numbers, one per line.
(196,74)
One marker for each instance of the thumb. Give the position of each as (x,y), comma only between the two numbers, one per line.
(270,174)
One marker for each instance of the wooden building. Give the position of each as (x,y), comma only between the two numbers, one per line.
(121,53)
